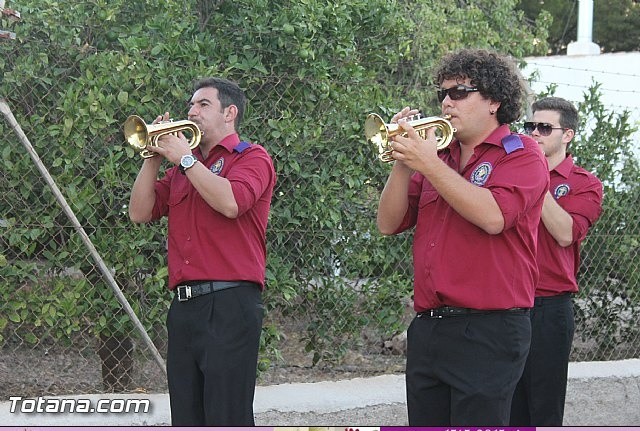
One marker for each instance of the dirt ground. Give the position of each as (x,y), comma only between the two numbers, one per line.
(57,370)
(31,372)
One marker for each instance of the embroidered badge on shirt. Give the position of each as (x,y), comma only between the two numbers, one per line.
(561,190)
(216,168)
(481,173)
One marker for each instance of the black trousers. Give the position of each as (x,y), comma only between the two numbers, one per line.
(462,371)
(540,395)
(212,357)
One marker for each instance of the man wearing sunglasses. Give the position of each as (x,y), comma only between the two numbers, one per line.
(475,207)
(571,206)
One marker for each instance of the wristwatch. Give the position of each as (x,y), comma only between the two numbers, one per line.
(187,161)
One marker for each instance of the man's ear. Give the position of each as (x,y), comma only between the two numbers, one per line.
(568,136)
(231,113)
(494,106)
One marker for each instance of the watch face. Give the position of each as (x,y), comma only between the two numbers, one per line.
(187,161)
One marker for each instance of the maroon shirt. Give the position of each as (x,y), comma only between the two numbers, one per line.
(204,244)
(458,264)
(579,193)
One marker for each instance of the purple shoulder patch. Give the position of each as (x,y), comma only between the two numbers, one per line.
(512,143)
(241,146)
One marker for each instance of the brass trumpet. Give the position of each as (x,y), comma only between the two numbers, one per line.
(380,134)
(139,134)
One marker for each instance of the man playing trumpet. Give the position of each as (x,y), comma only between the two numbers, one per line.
(475,207)
(217,200)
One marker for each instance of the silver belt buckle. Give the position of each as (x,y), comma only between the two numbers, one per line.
(187,293)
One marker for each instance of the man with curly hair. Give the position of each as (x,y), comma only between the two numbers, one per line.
(475,207)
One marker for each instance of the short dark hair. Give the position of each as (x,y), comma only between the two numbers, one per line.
(497,78)
(568,112)
(229,93)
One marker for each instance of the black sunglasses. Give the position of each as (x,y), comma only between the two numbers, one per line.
(544,129)
(458,92)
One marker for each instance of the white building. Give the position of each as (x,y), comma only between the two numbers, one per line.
(618,75)
(572,75)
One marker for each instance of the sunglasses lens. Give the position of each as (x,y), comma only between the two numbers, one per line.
(545,129)
(457,93)
(529,127)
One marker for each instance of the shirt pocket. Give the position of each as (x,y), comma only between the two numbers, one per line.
(427,197)
(176,197)
(180,188)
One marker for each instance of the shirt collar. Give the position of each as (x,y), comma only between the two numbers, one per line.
(495,138)
(229,142)
(565,166)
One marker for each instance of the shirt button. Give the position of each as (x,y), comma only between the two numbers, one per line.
(433,244)
(186,262)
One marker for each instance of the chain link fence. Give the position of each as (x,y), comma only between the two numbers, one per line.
(338,293)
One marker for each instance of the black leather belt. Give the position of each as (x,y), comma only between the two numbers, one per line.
(539,300)
(446,311)
(185,292)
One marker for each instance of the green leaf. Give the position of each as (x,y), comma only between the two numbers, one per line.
(123,97)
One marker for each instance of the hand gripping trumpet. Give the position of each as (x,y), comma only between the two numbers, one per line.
(380,134)
(139,134)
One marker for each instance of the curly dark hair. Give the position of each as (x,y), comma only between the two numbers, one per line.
(497,78)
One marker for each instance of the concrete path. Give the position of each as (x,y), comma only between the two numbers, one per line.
(598,393)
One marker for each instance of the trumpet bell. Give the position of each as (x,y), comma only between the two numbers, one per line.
(139,135)
(135,132)
(379,133)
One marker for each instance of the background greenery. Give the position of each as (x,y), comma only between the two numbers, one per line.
(312,70)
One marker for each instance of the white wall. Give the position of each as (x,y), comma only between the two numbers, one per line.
(618,74)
